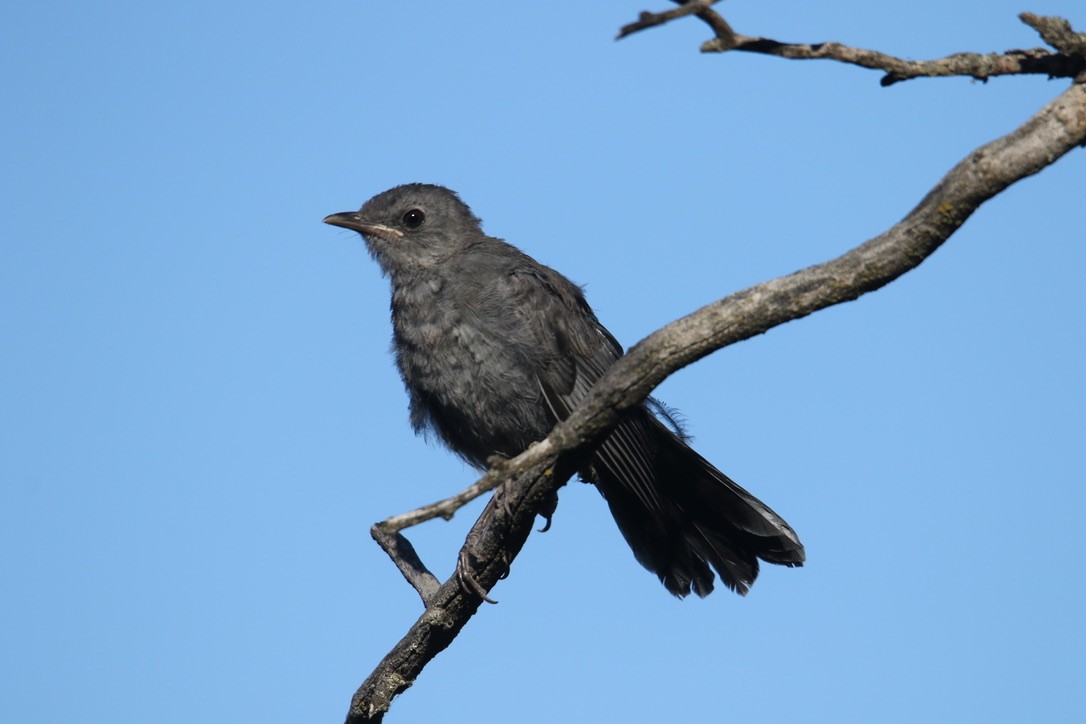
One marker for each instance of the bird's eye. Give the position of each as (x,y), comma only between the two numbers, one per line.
(413,219)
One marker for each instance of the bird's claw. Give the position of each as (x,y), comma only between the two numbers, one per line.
(466,578)
(546,526)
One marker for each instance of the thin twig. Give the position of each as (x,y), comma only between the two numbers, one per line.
(1058,33)
(403,554)
(650,20)
(399,549)
(443,508)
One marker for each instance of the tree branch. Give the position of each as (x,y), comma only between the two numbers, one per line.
(530,480)
(1055,31)
(650,20)
(1069,62)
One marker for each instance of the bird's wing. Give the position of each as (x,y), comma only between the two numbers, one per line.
(578,351)
(679,514)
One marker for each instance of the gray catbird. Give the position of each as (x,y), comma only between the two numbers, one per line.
(495,347)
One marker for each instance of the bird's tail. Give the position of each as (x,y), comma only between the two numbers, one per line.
(682,517)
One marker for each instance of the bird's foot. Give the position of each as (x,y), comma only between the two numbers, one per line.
(466,578)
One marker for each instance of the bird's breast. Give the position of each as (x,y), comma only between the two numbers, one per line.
(468,366)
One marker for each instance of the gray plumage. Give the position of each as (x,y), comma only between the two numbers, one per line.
(494,348)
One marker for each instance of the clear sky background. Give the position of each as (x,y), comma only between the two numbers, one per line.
(199,417)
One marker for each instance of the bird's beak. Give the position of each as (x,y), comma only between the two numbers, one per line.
(353,220)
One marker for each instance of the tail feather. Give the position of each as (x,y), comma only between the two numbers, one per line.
(694,520)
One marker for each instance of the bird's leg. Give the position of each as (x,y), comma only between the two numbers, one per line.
(464,574)
(496,464)
(466,578)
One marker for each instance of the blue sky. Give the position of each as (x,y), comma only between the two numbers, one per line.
(200,419)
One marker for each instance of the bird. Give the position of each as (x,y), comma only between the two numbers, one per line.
(495,348)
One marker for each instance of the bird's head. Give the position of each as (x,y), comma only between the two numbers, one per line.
(410,227)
